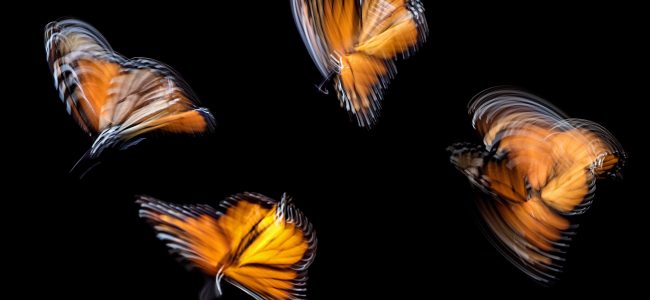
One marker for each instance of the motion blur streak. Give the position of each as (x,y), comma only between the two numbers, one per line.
(537,168)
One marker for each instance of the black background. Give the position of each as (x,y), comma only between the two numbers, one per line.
(393,217)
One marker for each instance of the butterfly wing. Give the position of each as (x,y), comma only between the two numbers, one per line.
(273,258)
(258,244)
(554,155)
(496,111)
(328,28)
(388,28)
(149,95)
(582,151)
(83,65)
(522,227)
(539,170)
(358,41)
(104,91)
(190,231)
(391,27)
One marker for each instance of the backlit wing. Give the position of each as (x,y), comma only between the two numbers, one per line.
(273,259)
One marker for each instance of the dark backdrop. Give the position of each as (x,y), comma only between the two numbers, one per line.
(393,217)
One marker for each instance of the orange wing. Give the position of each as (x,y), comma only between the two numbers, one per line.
(358,41)
(540,168)
(391,27)
(258,244)
(114,97)
(83,65)
(190,231)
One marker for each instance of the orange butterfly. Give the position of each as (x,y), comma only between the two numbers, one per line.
(357,41)
(539,168)
(113,98)
(262,246)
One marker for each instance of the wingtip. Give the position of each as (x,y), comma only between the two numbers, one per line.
(210,121)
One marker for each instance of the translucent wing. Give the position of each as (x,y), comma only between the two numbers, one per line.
(113,97)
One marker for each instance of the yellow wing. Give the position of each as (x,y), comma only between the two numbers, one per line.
(273,259)
(114,97)
(540,168)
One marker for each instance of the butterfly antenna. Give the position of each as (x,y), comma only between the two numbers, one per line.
(321,86)
(88,169)
(82,161)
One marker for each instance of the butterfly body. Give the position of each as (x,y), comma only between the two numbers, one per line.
(260,245)
(114,99)
(355,42)
(537,168)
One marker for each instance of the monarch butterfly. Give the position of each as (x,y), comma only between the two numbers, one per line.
(538,169)
(258,244)
(115,99)
(356,41)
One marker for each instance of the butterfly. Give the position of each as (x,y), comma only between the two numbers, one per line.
(538,169)
(114,99)
(258,244)
(355,42)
